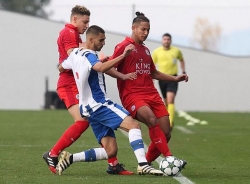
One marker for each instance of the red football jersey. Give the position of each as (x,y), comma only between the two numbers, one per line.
(69,37)
(138,61)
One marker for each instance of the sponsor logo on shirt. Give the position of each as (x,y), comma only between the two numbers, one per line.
(142,68)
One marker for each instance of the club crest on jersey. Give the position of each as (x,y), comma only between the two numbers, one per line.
(132,107)
(147,52)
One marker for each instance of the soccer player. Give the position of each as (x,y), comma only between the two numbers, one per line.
(139,96)
(104,115)
(166,58)
(69,38)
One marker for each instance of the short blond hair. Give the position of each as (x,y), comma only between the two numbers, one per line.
(80,10)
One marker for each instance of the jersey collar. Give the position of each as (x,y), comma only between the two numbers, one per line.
(129,40)
(71,27)
(132,41)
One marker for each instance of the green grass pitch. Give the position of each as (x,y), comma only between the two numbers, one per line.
(216,153)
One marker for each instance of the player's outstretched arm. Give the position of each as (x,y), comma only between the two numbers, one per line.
(103,67)
(161,76)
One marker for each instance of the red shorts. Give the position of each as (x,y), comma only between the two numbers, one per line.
(68,94)
(154,102)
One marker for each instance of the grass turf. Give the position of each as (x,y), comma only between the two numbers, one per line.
(216,153)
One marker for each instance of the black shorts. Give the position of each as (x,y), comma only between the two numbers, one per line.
(168,87)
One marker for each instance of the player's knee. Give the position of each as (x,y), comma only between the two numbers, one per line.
(74,112)
(130,123)
(135,125)
(151,121)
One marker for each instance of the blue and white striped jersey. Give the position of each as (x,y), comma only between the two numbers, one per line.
(90,83)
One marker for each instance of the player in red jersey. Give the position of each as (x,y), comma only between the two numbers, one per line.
(139,96)
(69,38)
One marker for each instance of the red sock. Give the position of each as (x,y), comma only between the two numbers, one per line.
(69,136)
(113,161)
(159,139)
(152,152)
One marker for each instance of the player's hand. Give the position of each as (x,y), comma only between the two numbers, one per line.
(129,76)
(60,68)
(183,77)
(104,59)
(128,49)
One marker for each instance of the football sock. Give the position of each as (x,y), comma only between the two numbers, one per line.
(152,153)
(90,155)
(113,161)
(69,136)
(143,163)
(135,139)
(159,139)
(171,111)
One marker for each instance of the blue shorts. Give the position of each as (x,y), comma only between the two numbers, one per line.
(106,119)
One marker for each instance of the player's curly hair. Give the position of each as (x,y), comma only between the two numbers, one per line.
(140,17)
(80,10)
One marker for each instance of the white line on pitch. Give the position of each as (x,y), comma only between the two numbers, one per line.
(20,145)
(184,130)
(191,120)
(182,179)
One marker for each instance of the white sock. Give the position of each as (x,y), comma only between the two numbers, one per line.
(90,155)
(136,142)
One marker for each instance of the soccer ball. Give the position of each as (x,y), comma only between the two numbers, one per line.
(170,166)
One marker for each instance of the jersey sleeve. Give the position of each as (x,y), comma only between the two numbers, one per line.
(92,58)
(180,57)
(66,64)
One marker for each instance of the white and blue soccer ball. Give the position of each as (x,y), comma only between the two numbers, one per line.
(170,166)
